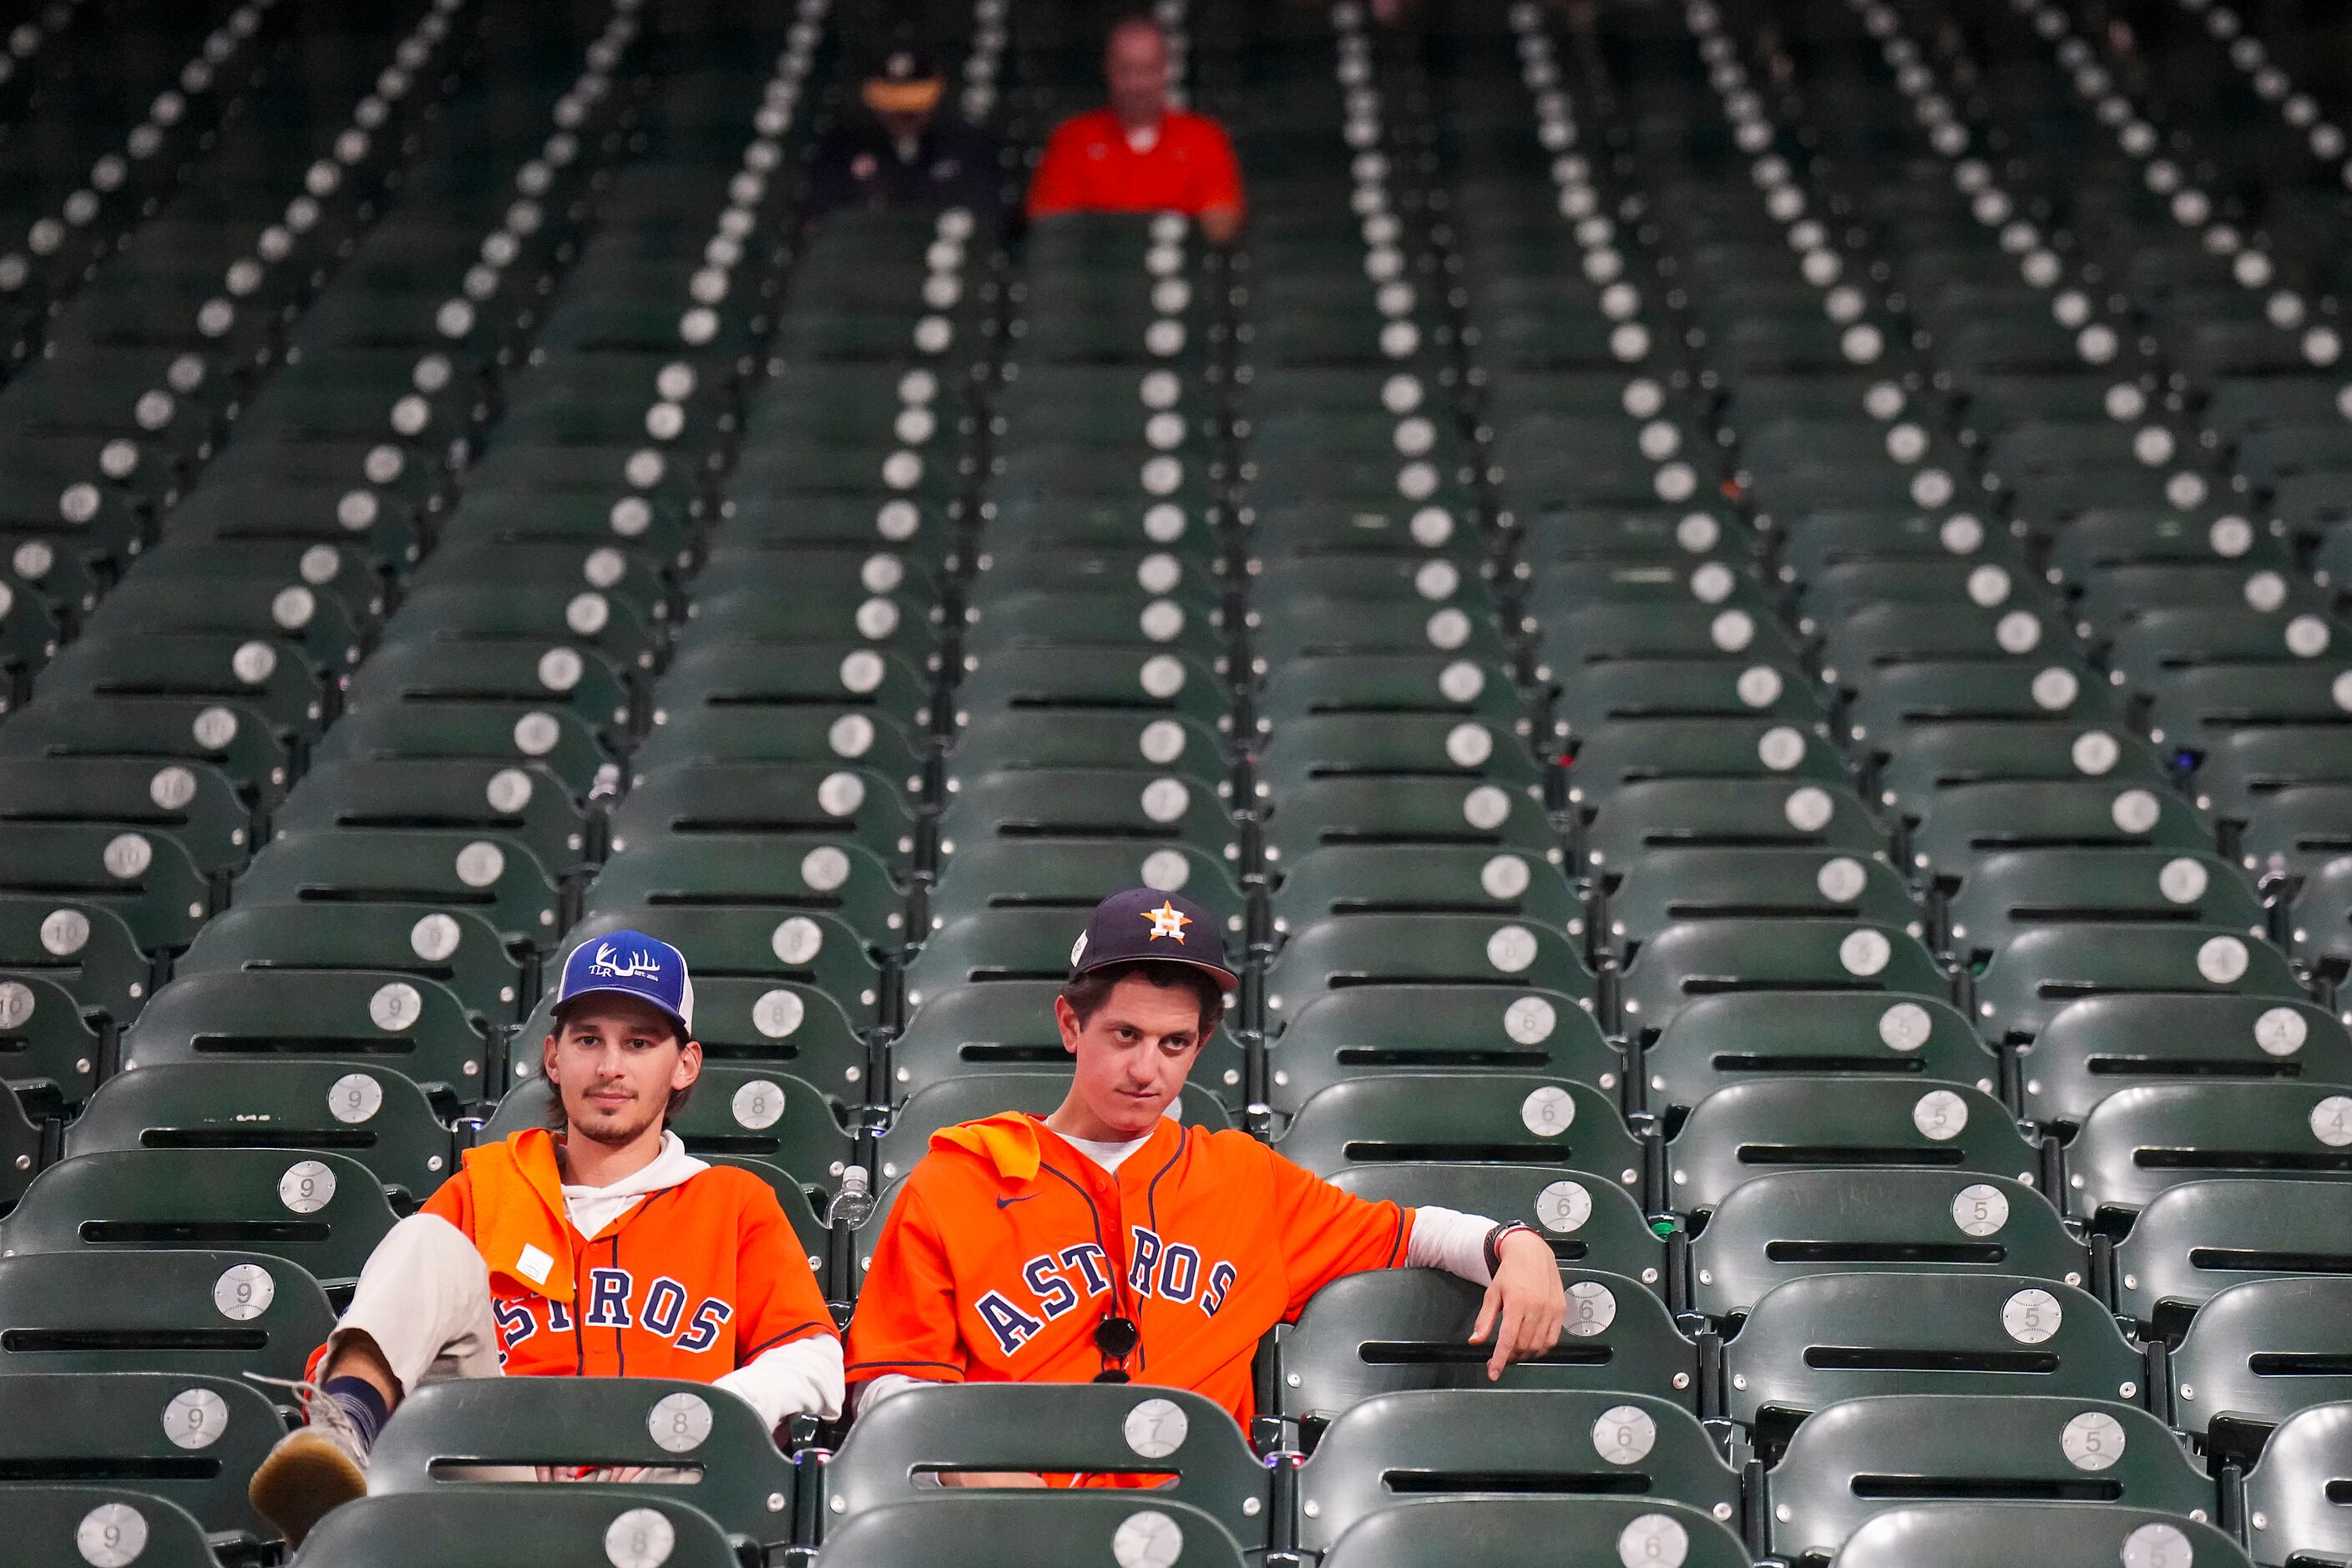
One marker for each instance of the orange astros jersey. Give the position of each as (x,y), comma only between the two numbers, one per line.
(1007,1246)
(692,1281)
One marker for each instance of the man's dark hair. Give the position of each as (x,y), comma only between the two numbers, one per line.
(1086,993)
(557,1122)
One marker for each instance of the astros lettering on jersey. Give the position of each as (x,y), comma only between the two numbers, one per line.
(692,1282)
(1006,1248)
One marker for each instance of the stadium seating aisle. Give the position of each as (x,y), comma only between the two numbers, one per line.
(1734,608)
(79,82)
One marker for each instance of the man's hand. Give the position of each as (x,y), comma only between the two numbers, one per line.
(1524,1306)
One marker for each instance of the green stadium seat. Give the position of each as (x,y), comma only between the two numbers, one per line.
(371,1115)
(192,803)
(1986,1534)
(2043,970)
(1810,1343)
(740,955)
(997,1531)
(2295,1511)
(232,737)
(1860,1459)
(49,1050)
(1479,1118)
(1410,951)
(410,1026)
(2091,1047)
(1746,1129)
(1393,1331)
(2196,1238)
(2012,891)
(1343,1036)
(323,1211)
(1696,959)
(810,801)
(1726,814)
(223,1314)
(187,1438)
(1537,1532)
(57,1523)
(516,1526)
(1973,821)
(733,1473)
(452,948)
(145,880)
(1741,1037)
(1389,1451)
(845,882)
(556,738)
(1786,1224)
(2141,1139)
(1666,886)
(1187,1445)
(526,805)
(1590,1221)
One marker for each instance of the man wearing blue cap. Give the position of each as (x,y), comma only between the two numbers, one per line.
(1107,1243)
(597,1247)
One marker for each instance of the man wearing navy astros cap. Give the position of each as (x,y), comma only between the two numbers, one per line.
(596,1247)
(1107,1243)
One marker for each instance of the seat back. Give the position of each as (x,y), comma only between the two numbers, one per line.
(1474,1117)
(1395,1329)
(2258,1353)
(2090,1048)
(323,1212)
(223,1314)
(105,1522)
(2059,1535)
(1393,1448)
(1750,1129)
(1814,1342)
(898,1444)
(1786,1224)
(517,1526)
(1537,1533)
(186,1438)
(444,1429)
(2196,1239)
(2296,1496)
(1860,1457)
(2139,1140)
(1021,1530)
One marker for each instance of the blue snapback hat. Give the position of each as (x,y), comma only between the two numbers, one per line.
(630,964)
(1146,924)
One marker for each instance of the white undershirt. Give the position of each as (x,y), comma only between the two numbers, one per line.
(1141,139)
(1442,1238)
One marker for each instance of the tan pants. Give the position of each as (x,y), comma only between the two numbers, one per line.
(424,1299)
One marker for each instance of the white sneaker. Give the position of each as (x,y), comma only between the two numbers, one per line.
(311,1470)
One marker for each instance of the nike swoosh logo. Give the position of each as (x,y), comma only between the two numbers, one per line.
(1008,1203)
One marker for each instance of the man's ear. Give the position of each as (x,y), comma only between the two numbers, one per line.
(689,1066)
(1067,1017)
(547,1057)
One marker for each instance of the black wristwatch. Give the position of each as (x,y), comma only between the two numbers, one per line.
(1494,1243)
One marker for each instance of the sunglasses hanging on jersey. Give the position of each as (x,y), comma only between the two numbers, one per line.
(1116,1337)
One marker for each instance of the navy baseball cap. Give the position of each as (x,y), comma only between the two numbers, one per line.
(630,964)
(1144,924)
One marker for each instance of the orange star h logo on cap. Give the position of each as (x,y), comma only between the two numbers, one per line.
(1167,920)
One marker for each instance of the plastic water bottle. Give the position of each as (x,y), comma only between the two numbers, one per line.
(854,1205)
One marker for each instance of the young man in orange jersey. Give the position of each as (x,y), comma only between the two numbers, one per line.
(1139,153)
(594,1248)
(1106,1242)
